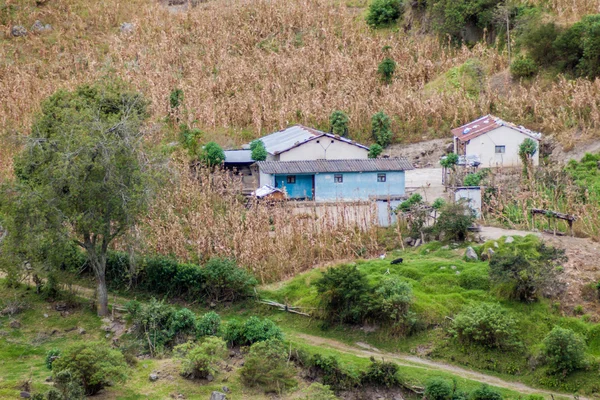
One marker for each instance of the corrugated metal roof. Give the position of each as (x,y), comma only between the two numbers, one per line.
(284,140)
(336,137)
(265,191)
(316,166)
(238,156)
(487,124)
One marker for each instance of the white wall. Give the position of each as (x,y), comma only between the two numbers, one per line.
(485,147)
(265,179)
(338,150)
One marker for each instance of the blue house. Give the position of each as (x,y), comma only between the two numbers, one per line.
(337,180)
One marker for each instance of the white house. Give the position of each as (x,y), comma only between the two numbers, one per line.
(494,141)
(300,143)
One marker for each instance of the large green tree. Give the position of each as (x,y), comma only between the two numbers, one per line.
(83,177)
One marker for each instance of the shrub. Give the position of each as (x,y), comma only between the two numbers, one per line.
(454,221)
(333,374)
(406,205)
(375,151)
(438,203)
(392,304)
(51,355)
(438,388)
(67,386)
(539,41)
(159,274)
(343,292)
(386,70)
(318,391)
(267,367)
(251,331)
(381,373)
(484,392)
(525,275)
(190,139)
(472,179)
(485,324)
(563,351)
(523,67)
(176,98)
(188,282)
(208,324)
(384,12)
(92,365)
(153,324)
(449,161)
(182,323)
(258,150)
(381,129)
(212,154)
(339,123)
(225,281)
(200,360)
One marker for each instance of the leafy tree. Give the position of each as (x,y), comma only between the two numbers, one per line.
(267,366)
(92,365)
(375,151)
(539,40)
(212,154)
(449,161)
(486,324)
(438,203)
(258,150)
(450,17)
(525,276)
(200,360)
(338,120)
(564,351)
(386,70)
(344,294)
(83,175)
(381,129)
(384,12)
(454,221)
(523,67)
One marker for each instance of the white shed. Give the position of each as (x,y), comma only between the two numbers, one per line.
(494,141)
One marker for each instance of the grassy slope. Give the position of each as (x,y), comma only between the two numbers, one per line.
(440,292)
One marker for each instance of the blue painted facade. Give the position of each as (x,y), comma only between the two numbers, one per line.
(301,188)
(354,186)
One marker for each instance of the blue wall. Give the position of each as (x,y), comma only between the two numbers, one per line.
(358,186)
(302,189)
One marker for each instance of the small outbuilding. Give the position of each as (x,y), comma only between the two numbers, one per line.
(337,180)
(494,142)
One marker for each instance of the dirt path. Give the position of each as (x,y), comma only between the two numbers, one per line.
(365,351)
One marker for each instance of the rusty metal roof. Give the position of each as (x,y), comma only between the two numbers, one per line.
(316,166)
(487,124)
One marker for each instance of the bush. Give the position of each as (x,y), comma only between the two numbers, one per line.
(386,70)
(449,161)
(384,12)
(381,129)
(92,365)
(267,367)
(251,331)
(406,205)
(484,392)
(375,150)
(67,386)
(523,67)
(343,293)
(182,323)
(454,221)
(159,275)
(485,324)
(318,391)
(526,275)
(381,373)
(339,123)
(51,355)
(563,351)
(472,179)
(332,373)
(539,41)
(190,139)
(392,304)
(258,150)
(208,324)
(212,154)
(225,281)
(200,360)
(153,324)
(438,388)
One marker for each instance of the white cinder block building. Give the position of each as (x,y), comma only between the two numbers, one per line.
(494,141)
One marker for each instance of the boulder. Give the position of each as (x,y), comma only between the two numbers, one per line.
(82,331)
(470,254)
(409,241)
(127,27)
(490,253)
(38,27)
(153,377)
(218,396)
(449,148)
(225,389)
(25,395)
(210,378)
(417,243)
(509,239)
(18,30)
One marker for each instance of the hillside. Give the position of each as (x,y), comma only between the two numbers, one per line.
(248,68)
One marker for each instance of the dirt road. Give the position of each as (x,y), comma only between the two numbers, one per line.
(366,351)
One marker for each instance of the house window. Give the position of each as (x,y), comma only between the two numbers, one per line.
(500,149)
(291,179)
(338,178)
(381,177)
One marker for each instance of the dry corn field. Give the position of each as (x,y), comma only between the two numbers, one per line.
(204,216)
(250,67)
